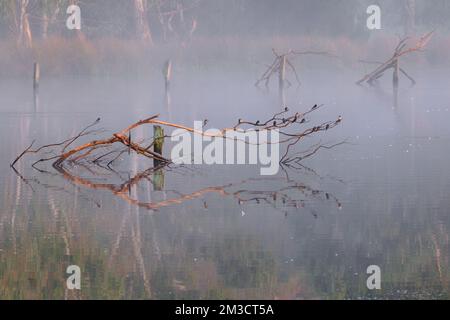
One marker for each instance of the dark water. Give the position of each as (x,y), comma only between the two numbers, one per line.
(381,199)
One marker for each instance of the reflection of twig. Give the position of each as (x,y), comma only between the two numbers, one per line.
(301,166)
(296,158)
(242,195)
(25,180)
(31,181)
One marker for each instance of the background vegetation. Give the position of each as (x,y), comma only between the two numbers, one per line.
(127,36)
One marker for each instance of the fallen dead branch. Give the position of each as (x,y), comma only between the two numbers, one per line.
(401,50)
(292,128)
(97,157)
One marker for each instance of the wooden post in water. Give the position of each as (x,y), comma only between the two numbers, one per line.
(395,82)
(167,72)
(158,176)
(158,137)
(281,79)
(395,76)
(36,77)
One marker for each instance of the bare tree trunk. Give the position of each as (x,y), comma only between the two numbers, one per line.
(28,38)
(162,20)
(49,15)
(395,81)
(142,26)
(45,24)
(25,38)
(410,23)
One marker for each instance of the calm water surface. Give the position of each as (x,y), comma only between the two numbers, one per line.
(381,199)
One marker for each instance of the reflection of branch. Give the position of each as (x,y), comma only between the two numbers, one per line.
(309,153)
(30,181)
(25,180)
(272,197)
(242,195)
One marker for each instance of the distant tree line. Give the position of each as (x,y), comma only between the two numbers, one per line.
(167,20)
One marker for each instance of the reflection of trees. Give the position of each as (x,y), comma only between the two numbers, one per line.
(226,268)
(244,266)
(125,253)
(411,250)
(130,254)
(183,250)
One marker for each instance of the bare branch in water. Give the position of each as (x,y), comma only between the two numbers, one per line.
(392,62)
(102,154)
(287,124)
(274,68)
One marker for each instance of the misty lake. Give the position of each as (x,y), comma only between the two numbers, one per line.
(380,199)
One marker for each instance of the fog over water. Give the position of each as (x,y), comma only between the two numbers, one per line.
(225,231)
